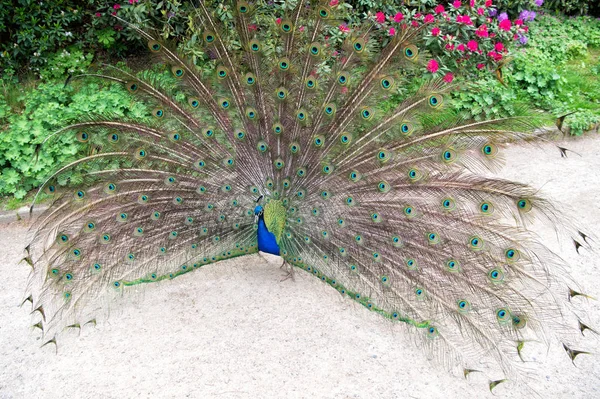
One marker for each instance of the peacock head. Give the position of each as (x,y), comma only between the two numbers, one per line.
(258,210)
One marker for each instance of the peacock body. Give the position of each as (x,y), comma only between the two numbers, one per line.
(288,145)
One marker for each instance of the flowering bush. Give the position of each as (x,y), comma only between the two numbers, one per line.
(461,35)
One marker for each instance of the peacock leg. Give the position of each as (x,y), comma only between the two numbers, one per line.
(289,274)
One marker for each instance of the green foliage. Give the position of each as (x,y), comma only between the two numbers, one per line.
(47,108)
(569,7)
(31,31)
(487,98)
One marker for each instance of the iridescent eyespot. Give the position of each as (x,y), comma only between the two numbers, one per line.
(435,100)
(387,83)
(486,208)
(411,52)
(366,113)
(178,72)
(315,49)
(83,137)
(154,46)
(254,45)
(448,204)
(512,255)
(524,205)
(342,78)
(286,26)
(503,315)
(194,102)
(463,305)
(359,45)
(284,64)
(452,265)
(496,275)
(476,243)
(209,37)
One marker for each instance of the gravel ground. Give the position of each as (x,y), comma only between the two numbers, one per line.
(233,330)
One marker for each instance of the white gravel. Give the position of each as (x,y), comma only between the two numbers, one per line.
(233,330)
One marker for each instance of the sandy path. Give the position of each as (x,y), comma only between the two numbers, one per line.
(233,330)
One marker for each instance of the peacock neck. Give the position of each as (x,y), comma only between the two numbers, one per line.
(266,239)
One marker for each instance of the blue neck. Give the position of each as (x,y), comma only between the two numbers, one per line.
(266,240)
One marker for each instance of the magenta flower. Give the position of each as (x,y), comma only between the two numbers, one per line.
(456,4)
(472,45)
(461,48)
(449,77)
(392,32)
(435,31)
(429,19)
(398,17)
(117,6)
(499,47)
(380,17)
(433,66)
(98,14)
(278,21)
(439,9)
(333,3)
(480,66)
(505,25)
(344,28)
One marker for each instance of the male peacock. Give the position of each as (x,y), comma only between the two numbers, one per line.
(289,146)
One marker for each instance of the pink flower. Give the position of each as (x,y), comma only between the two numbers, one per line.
(499,47)
(415,24)
(435,31)
(459,19)
(497,57)
(334,3)
(480,11)
(482,31)
(449,77)
(301,29)
(505,25)
(252,27)
(461,47)
(439,9)
(114,13)
(117,6)
(456,4)
(398,17)
(392,32)
(429,19)
(467,20)
(344,90)
(472,45)
(450,46)
(472,3)
(480,66)
(133,1)
(344,28)
(380,17)
(98,14)
(433,66)
(488,3)
(418,15)
(518,22)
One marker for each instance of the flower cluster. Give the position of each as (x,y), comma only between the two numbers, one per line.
(462,34)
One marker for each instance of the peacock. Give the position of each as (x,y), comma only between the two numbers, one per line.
(285,143)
